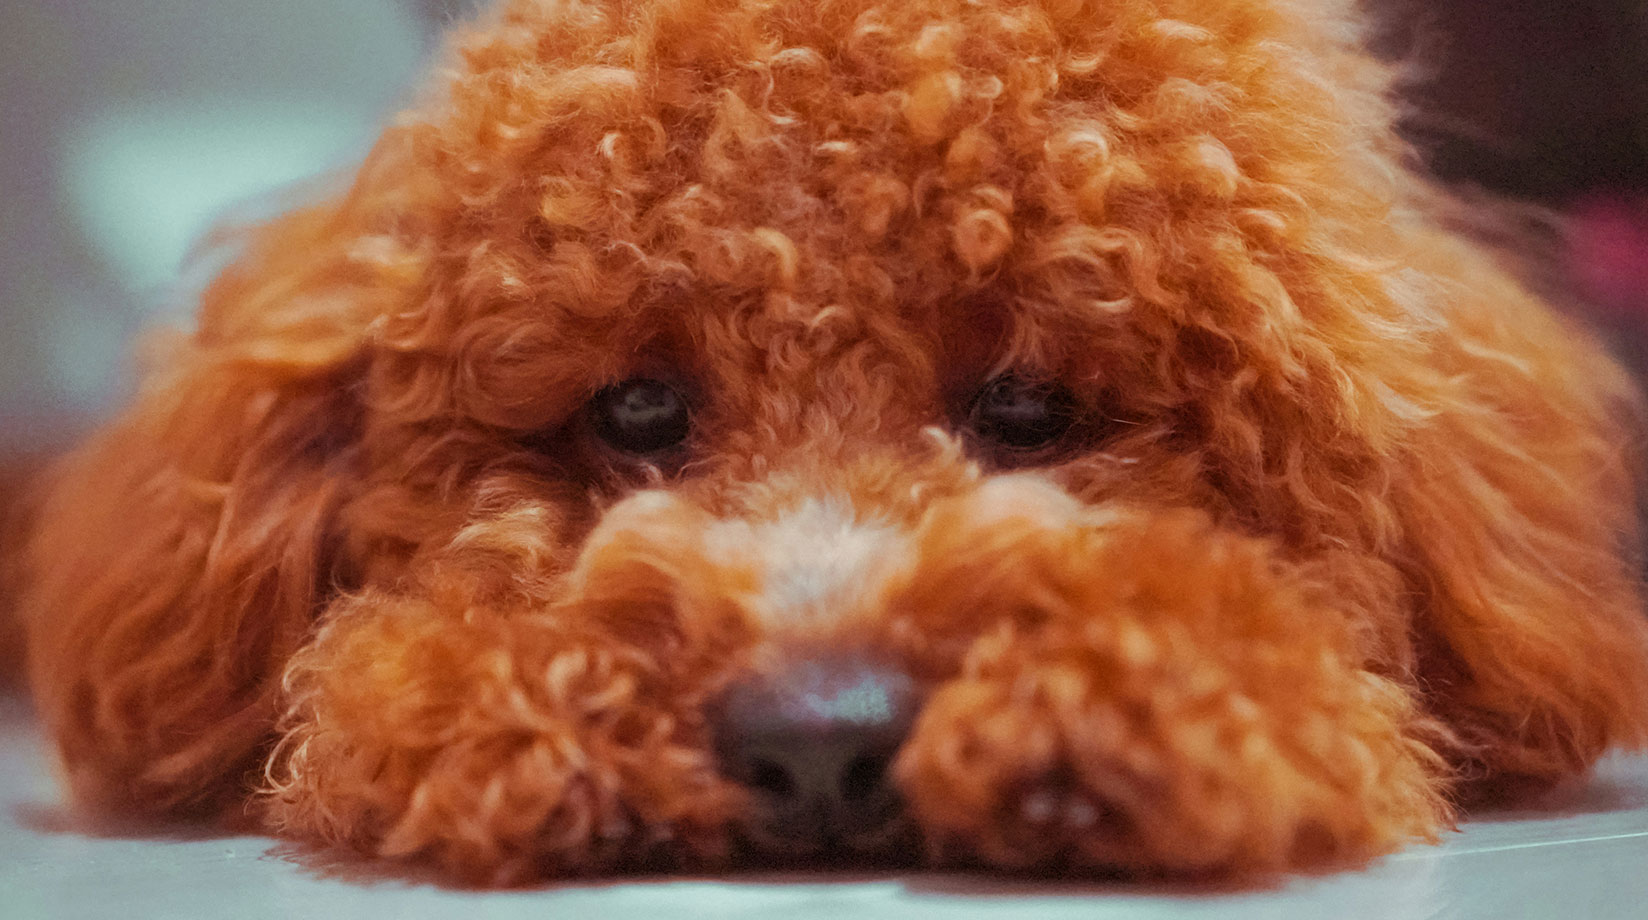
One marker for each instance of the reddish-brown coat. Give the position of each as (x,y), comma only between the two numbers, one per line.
(1352,533)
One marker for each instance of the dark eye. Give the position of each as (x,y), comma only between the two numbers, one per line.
(641,416)
(1023,414)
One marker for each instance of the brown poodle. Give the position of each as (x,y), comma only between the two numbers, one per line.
(1053,431)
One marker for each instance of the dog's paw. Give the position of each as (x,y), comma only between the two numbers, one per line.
(1055,819)
(1048,760)
(1150,693)
(506,807)
(993,782)
(504,813)
(494,750)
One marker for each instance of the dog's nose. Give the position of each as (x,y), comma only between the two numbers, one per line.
(813,742)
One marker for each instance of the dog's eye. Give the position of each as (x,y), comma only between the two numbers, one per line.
(641,416)
(1023,414)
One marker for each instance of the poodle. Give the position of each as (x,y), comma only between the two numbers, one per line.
(1046,435)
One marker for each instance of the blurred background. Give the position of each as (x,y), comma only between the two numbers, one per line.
(126,129)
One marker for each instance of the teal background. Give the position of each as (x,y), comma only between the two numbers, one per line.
(126,129)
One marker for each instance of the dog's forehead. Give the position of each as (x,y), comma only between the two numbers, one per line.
(822,180)
(897,152)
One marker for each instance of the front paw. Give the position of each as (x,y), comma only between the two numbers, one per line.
(495,750)
(506,809)
(1057,755)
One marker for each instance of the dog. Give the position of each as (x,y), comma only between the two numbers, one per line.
(1045,435)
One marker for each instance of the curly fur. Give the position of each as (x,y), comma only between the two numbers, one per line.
(1348,538)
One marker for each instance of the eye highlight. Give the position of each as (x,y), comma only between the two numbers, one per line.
(1022,414)
(641,416)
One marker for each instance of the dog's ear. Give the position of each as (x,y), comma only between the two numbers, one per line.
(178,558)
(1518,507)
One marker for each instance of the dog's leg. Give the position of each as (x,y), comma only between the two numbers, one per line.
(505,723)
(1155,694)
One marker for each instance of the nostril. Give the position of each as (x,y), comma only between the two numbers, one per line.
(772,777)
(864,776)
(812,741)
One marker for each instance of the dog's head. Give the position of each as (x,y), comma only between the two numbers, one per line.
(819,348)
(790,306)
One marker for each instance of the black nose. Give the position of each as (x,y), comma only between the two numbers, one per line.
(812,741)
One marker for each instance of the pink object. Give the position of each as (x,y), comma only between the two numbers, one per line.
(1608,254)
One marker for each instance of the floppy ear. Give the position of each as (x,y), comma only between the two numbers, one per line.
(176,560)
(1519,507)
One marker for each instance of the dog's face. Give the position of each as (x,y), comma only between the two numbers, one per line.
(814,347)
(1046,429)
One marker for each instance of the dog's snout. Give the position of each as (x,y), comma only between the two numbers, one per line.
(813,743)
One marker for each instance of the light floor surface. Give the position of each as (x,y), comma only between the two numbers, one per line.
(1579,854)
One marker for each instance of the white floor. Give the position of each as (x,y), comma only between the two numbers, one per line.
(1581,854)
